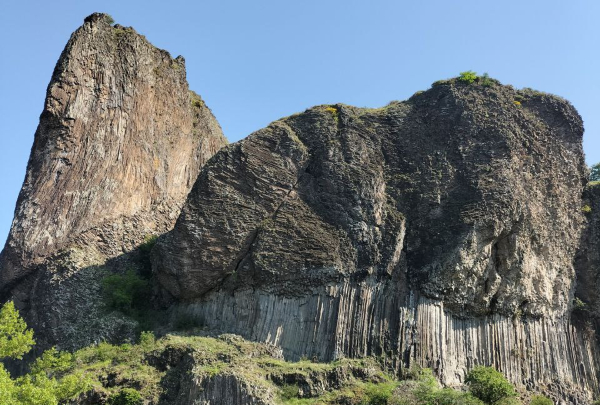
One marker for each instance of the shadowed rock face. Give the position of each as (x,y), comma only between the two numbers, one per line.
(120,143)
(458,193)
(439,231)
(588,258)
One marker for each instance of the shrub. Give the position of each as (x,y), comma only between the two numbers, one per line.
(467,77)
(487,81)
(289,391)
(109,19)
(52,362)
(334,112)
(127,396)
(125,292)
(509,401)
(489,385)
(147,340)
(378,394)
(586,209)
(579,305)
(541,400)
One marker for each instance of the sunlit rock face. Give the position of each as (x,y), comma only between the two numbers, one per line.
(440,230)
(119,145)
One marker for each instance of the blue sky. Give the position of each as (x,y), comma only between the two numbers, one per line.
(256,61)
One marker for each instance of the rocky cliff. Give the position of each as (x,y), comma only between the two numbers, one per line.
(445,231)
(120,143)
(587,307)
(439,231)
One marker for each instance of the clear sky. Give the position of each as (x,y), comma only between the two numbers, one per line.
(256,61)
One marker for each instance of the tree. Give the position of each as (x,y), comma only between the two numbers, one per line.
(595,173)
(15,338)
(41,386)
(489,385)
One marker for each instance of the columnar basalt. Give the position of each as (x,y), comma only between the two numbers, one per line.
(441,230)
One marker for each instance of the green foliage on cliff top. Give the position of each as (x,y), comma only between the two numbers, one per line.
(467,77)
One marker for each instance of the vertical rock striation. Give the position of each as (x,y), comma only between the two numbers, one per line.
(441,230)
(120,143)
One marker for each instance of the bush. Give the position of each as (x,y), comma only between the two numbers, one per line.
(378,394)
(147,340)
(125,292)
(109,19)
(487,81)
(541,400)
(489,385)
(467,77)
(289,391)
(127,396)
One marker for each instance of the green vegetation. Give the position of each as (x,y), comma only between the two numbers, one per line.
(334,112)
(487,81)
(126,292)
(47,383)
(15,338)
(541,400)
(109,19)
(132,374)
(127,396)
(489,385)
(423,389)
(595,173)
(467,77)
(586,209)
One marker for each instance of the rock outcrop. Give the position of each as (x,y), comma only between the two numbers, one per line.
(439,231)
(588,261)
(120,143)
(445,231)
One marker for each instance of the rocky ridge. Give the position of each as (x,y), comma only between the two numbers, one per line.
(120,143)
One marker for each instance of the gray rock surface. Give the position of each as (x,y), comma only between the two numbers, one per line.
(120,143)
(440,230)
(588,261)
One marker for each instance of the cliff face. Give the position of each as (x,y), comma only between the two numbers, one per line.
(441,230)
(588,260)
(445,231)
(120,143)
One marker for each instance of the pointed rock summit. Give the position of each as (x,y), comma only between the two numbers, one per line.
(120,143)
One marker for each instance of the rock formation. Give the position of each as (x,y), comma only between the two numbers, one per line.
(439,231)
(445,231)
(587,308)
(120,143)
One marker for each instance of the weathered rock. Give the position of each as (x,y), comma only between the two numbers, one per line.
(441,230)
(588,259)
(120,143)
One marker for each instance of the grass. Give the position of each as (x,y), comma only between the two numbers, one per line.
(124,371)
